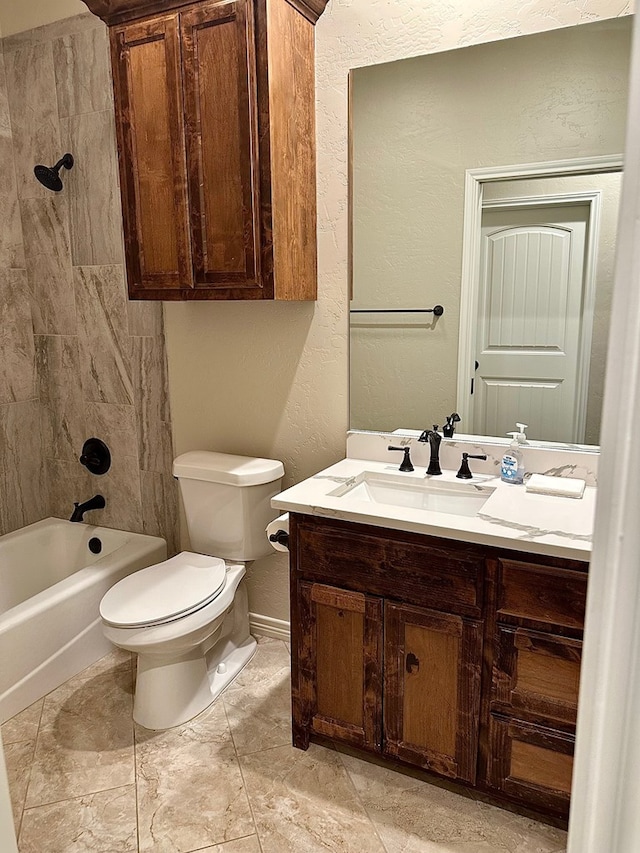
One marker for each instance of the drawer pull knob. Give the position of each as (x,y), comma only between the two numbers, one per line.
(412,661)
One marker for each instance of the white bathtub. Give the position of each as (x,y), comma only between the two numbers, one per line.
(50,589)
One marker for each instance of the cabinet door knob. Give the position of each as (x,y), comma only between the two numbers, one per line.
(411,661)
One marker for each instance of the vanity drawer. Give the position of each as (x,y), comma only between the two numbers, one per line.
(536,674)
(435,573)
(531,763)
(542,593)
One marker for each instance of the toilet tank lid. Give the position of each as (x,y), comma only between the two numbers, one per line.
(226,468)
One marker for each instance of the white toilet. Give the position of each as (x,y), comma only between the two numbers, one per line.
(187,618)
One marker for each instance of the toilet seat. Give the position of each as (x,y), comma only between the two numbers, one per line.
(164,592)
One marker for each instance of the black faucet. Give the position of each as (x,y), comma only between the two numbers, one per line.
(96,502)
(434,438)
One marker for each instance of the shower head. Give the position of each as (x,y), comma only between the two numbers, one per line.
(48,175)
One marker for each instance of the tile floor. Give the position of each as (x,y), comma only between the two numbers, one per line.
(85,778)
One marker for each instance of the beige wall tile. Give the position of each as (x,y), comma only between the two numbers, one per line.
(23,499)
(152,403)
(105,346)
(60,393)
(83,72)
(121,489)
(66,482)
(17,350)
(11,249)
(145,318)
(48,261)
(34,114)
(160,508)
(94,197)
(116,425)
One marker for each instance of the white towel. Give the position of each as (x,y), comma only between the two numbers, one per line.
(562,487)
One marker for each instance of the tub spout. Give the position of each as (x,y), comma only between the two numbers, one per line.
(96,502)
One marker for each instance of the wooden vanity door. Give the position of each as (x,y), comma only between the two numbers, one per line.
(337,689)
(149,122)
(432,689)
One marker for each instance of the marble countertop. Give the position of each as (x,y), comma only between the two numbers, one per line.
(541,524)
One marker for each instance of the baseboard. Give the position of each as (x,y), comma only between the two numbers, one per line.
(267,626)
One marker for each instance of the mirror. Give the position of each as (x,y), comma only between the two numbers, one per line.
(464,164)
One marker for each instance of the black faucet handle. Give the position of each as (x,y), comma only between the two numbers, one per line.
(406,464)
(465,472)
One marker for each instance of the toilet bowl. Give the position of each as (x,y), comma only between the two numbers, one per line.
(187,618)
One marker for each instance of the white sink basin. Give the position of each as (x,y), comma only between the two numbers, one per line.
(460,498)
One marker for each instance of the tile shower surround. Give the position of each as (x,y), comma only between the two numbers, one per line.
(85,779)
(76,357)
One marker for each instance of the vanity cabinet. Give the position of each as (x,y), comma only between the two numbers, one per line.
(456,658)
(214,105)
(387,644)
(426,678)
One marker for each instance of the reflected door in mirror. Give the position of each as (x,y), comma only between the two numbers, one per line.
(532,319)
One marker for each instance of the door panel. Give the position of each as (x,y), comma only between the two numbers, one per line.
(218,42)
(432,689)
(340,664)
(530,320)
(149,122)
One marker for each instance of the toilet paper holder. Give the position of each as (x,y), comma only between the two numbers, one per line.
(281,537)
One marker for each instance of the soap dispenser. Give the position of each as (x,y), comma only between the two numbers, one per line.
(512,468)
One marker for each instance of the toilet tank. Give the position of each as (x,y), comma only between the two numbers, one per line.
(227,502)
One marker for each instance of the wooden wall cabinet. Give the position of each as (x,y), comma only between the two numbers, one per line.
(458,659)
(215,123)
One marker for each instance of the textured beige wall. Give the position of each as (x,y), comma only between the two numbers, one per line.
(418,125)
(272,379)
(16,16)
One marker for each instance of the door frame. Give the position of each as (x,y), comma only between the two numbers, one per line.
(474,204)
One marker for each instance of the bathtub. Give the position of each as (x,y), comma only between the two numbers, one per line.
(51,584)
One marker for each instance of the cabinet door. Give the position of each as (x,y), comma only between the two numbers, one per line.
(149,122)
(537,675)
(432,689)
(339,665)
(220,93)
